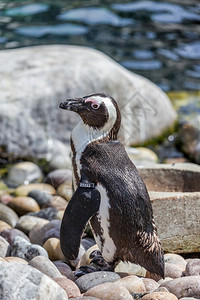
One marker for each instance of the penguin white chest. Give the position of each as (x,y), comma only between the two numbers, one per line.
(108,247)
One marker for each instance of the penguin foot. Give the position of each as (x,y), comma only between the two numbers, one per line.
(85,270)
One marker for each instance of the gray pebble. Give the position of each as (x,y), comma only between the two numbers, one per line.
(23,282)
(49,213)
(193,267)
(4,247)
(42,198)
(57,177)
(37,233)
(8,215)
(90,280)
(24,249)
(64,269)
(44,265)
(87,243)
(26,223)
(11,233)
(53,232)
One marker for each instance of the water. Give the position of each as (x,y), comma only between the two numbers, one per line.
(156,39)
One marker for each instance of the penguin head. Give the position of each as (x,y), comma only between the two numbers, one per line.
(99,111)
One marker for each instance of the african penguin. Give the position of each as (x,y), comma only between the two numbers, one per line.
(109,192)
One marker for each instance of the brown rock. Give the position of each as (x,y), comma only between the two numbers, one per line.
(133,284)
(14,259)
(8,215)
(184,287)
(26,223)
(24,190)
(109,291)
(58,202)
(172,270)
(52,246)
(65,191)
(57,177)
(36,234)
(193,267)
(4,225)
(159,296)
(130,268)
(69,286)
(150,284)
(23,205)
(64,269)
(44,265)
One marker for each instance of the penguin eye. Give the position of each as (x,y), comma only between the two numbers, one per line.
(95,105)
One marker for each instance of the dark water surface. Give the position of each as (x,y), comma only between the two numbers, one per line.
(157,39)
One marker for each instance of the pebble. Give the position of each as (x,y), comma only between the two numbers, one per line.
(193,267)
(109,291)
(24,249)
(48,213)
(24,190)
(8,215)
(85,298)
(150,284)
(22,205)
(52,246)
(52,233)
(65,191)
(142,156)
(4,225)
(64,269)
(57,177)
(159,296)
(184,287)
(4,247)
(69,286)
(26,223)
(127,267)
(38,232)
(44,265)
(132,283)
(173,270)
(188,298)
(18,260)
(174,259)
(59,203)
(90,280)
(42,198)
(11,233)
(23,173)
(26,282)
(87,243)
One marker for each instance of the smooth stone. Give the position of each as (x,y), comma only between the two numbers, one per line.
(13,259)
(26,282)
(8,215)
(58,203)
(142,156)
(176,259)
(132,283)
(23,173)
(3,259)
(87,243)
(57,177)
(61,159)
(48,213)
(109,291)
(85,259)
(184,287)
(44,265)
(24,249)
(65,191)
(188,298)
(23,205)
(85,298)
(193,267)
(90,280)
(150,284)
(4,225)
(159,296)
(64,269)
(52,246)
(42,198)
(38,232)
(173,270)
(69,286)
(164,280)
(26,223)
(127,267)
(10,234)
(4,247)
(24,190)
(140,101)
(52,233)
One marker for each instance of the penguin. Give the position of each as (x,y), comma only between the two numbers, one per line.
(109,192)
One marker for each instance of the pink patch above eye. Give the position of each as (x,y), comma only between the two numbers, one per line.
(92,101)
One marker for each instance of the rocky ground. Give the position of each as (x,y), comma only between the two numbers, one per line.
(32,265)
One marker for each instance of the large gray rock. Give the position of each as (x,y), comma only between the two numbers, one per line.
(35,79)
(23,282)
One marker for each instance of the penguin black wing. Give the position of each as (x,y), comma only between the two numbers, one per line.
(82,206)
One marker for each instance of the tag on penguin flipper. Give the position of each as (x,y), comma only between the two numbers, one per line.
(89,185)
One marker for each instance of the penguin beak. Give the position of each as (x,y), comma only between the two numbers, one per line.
(72,104)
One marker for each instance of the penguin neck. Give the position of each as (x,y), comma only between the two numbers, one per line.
(83,135)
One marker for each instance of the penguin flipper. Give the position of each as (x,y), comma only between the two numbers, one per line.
(82,206)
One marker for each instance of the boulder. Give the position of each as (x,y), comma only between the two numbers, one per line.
(35,79)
